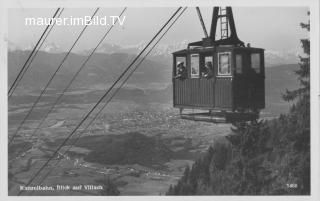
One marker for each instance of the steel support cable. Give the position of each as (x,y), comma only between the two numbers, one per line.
(74,77)
(117,90)
(130,74)
(34,55)
(100,100)
(41,44)
(34,50)
(50,80)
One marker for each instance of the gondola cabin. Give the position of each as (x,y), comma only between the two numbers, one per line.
(225,79)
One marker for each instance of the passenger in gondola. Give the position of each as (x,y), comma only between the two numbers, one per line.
(181,71)
(208,70)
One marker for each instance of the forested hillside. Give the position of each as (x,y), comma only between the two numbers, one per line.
(260,158)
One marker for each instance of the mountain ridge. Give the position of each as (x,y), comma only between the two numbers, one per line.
(273,57)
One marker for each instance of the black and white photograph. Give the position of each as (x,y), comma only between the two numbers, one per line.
(167,100)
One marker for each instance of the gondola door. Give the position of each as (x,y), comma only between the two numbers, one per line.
(181,93)
(256,85)
(248,84)
(207,80)
(223,84)
(201,81)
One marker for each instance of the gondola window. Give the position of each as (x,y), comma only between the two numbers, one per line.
(239,63)
(255,62)
(194,61)
(224,64)
(207,68)
(180,62)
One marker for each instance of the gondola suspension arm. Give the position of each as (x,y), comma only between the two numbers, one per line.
(202,23)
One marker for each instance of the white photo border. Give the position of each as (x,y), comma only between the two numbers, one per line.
(314,39)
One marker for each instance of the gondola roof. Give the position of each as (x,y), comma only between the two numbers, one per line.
(211,48)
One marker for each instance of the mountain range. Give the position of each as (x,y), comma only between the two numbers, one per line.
(102,68)
(151,81)
(272,57)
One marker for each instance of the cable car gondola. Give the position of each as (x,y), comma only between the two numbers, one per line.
(223,77)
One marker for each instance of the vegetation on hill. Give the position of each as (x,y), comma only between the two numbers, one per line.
(261,158)
(128,148)
(109,188)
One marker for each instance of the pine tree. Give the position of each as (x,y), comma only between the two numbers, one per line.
(266,155)
(293,142)
(303,72)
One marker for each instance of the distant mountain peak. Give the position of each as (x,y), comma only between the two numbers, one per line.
(52,48)
(272,57)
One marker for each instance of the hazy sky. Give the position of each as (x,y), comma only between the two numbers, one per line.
(272,28)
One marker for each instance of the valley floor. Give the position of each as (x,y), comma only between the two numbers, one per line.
(184,140)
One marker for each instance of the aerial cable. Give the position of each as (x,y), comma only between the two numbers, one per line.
(34,50)
(34,55)
(135,68)
(39,48)
(74,76)
(117,90)
(100,100)
(50,80)
(130,74)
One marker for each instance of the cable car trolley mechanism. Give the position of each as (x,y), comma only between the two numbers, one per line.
(221,76)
